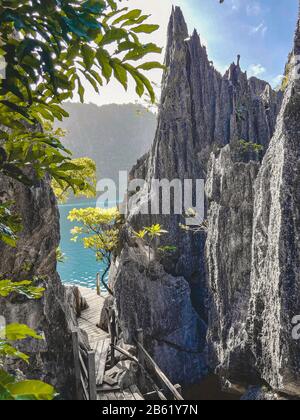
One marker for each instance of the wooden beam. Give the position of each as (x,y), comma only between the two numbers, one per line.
(160,374)
(92,376)
(112,320)
(102,362)
(76,364)
(83,368)
(125,353)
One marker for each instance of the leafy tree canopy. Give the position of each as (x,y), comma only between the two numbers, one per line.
(49,48)
(82,169)
(99,230)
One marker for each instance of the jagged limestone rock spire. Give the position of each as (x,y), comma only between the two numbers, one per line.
(177,32)
(275,274)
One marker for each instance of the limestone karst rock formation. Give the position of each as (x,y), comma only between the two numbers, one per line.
(201,111)
(253,256)
(275,274)
(51,359)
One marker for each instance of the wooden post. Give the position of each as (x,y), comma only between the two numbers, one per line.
(75,343)
(98,284)
(92,376)
(112,320)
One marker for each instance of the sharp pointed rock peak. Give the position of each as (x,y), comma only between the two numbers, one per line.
(177,25)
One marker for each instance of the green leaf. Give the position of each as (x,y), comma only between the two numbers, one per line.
(6,378)
(24,288)
(104,61)
(141,51)
(145,28)
(151,65)
(88,55)
(120,72)
(9,351)
(113,35)
(112,4)
(16,332)
(133,14)
(31,390)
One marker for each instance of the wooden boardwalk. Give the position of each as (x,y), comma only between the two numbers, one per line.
(91,316)
(106,376)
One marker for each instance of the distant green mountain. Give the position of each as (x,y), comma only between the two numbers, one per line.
(115,136)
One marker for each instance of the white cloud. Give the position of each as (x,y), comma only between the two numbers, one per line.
(276,81)
(260,29)
(256,70)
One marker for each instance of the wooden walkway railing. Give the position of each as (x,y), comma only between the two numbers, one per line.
(87,361)
(145,361)
(152,368)
(85,370)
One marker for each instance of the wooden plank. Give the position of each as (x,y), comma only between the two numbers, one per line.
(109,381)
(125,353)
(107,388)
(128,395)
(92,376)
(85,392)
(112,396)
(97,346)
(120,396)
(160,374)
(103,360)
(102,397)
(83,367)
(136,393)
(76,364)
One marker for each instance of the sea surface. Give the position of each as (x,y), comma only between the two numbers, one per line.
(80,266)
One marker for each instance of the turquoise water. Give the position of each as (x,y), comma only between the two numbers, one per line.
(80,266)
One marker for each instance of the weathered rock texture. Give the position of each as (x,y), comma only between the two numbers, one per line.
(254,257)
(275,277)
(230,192)
(35,257)
(201,111)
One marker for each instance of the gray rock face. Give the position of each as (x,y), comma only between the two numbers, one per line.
(275,277)
(35,256)
(147,297)
(253,258)
(200,112)
(230,192)
(262,394)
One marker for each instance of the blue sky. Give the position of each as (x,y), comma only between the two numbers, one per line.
(261,31)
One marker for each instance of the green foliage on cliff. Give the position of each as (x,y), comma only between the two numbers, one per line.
(84,169)
(149,236)
(249,146)
(10,225)
(12,389)
(24,288)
